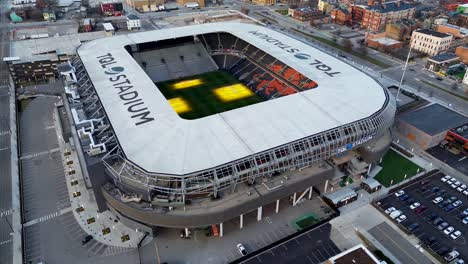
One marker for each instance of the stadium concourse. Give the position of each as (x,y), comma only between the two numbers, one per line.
(192,126)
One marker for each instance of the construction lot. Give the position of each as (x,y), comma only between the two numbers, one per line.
(426,220)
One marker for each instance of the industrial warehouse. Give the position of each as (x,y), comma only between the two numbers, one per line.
(193,126)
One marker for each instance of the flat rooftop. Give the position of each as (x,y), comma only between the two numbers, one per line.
(434,119)
(355,255)
(173,145)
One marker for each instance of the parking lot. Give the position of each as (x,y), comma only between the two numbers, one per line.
(423,221)
(314,246)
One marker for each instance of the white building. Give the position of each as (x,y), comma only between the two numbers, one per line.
(430,42)
(133,22)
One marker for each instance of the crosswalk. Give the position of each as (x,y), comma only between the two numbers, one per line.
(37,154)
(48,217)
(114,250)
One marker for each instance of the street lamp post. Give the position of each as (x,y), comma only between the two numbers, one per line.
(404,71)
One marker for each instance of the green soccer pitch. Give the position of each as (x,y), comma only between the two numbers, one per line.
(207,94)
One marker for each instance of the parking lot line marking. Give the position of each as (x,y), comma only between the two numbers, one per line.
(324,258)
(269,237)
(318,260)
(259,259)
(268,220)
(328,253)
(310,260)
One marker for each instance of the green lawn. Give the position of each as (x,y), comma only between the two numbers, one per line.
(283,12)
(395,167)
(201,98)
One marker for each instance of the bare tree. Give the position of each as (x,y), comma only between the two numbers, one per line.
(245,10)
(347,45)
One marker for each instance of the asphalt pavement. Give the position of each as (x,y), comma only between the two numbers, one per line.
(312,247)
(426,228)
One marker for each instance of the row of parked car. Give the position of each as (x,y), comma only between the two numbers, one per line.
(455,184)
(448,203)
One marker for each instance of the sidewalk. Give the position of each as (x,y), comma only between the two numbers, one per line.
(87,201)
(425,158)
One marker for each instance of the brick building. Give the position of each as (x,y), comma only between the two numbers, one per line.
(305,13)
(378,15)
(341,16)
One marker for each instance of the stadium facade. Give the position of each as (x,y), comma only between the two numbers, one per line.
(166,171)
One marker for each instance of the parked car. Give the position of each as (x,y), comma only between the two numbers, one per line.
(441,192)
(431,217)
(449,208)
(437,200)
(452,199)
(414,205)
(442,251)
(409,202)
(465,221)
(465,192)
(461,188)
(444,203)
(389,210)
(422,189)
(445,178)
(442,226)
(420,209)
(435,189)
(424,182)
(437,221)
(399,193)
(449,230)
(86,239)
(455,234)
(413,227)
(401,218)
(455,185)
(395,214)
(241,249)
(429,240)
(451,180)
(457,203)
(452,255)
(404,197)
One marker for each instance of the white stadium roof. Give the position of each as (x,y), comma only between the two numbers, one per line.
(172,145)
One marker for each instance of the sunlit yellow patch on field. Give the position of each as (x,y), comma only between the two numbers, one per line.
(186,84)
(233,92)
(179,105)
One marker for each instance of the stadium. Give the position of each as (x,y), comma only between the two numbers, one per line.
(185,121)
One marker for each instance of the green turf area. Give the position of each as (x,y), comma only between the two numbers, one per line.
(395,166)
(345,181)
(306,221)
(283,12)
(202,100)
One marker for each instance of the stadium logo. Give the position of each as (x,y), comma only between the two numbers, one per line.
(321,66)
(114,70)
(125,90)
(302,56)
